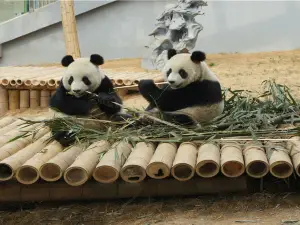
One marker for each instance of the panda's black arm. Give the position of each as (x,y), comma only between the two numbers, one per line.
(198,93)
(68,104)
(107,96)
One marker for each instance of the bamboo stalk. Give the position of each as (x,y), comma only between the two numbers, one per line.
(82,168)
(45,96)
(161,162)
(24,99)
(279,160)
(10,165)
(3,101)
(13,99)
(293,145)
(28,173)
(69,28)
(134,169)
(232,162)
(208,160)
(53,169)
(183,168)
(256,161)
(108,169)
(34,99)
(12,147)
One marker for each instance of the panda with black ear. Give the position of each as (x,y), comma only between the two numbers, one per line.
(83,75)
(193,94)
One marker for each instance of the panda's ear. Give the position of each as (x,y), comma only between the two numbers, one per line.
(96,59)
(171,53)
(67,60)
(198,57)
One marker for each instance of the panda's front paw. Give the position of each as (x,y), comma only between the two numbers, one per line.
(65,138)
(106,99)
(147,87)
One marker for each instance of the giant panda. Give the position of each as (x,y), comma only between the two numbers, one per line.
(192,94)
(83,75)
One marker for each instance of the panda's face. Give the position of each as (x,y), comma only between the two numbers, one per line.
(81,76)
(180,71)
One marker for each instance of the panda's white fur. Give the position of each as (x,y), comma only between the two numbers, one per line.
(196,72)
(78,69)
(193,89)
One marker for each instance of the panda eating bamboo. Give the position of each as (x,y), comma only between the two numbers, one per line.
(193,94)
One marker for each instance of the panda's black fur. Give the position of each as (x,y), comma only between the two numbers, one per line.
(199,93)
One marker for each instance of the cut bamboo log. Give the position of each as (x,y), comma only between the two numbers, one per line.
(6,121)
(3,101)
(10,127)
(183,168)
(232,162)
(10,165)
(208,160)
(15,146)
(69,28)
(13,99)
(256,161)
(45,96)
(108,169)
(134,169)
(34,99)
(53,169)
(161,163)
(24,99)
(294,148)
(280,163)
(82,168)
(28,173)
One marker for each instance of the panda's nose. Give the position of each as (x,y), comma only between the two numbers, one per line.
(171,82)
(77,91)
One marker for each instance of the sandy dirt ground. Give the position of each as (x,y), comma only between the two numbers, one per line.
(239,71)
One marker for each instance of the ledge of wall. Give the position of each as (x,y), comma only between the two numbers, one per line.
(41,18)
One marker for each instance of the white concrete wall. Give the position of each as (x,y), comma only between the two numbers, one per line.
(120,30)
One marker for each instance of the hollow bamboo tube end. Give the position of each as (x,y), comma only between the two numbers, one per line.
(183,168)
(75,176)
(133,173)
(119,82)
(105,174)
(208,160)
(5,82)
(232,162)
(6,172)
(50,172)
(293,145)
(279,159)
(27,175)
(161,162)
(255,159)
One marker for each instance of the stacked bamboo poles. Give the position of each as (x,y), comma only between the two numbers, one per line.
(279,159)
(134,169)
(82,168)
(53,169)
(184,164)
(10,165)
(108,169)
(160,164)
(208,160)
(28,173)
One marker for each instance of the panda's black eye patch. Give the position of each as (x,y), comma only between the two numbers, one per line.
(86,81)
(183,73)
(71,79)
(169,72)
